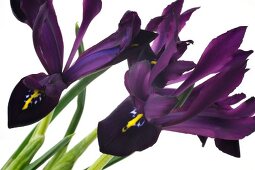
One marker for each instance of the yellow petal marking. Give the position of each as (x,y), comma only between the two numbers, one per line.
(35,94)
(132,122)
(153,62)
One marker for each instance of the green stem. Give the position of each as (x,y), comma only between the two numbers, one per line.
(67,161)
(101,162)
(48,154)
(76,117)
(65,100)
(71,129)
(43,125)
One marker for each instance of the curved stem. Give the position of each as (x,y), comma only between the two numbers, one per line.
(101,162)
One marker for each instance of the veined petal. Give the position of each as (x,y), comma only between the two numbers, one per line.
(106,52)
(229,129)
(157,106)
(90,9)
(173,71)
(214,89)
(29,105)
(48,40)
(124,132)
(230,100)
(219,52)
(89,64)
(26,10)
(128,29)
(154,23)
(137,80)
(168,28)
(185,16)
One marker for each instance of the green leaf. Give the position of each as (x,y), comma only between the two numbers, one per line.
(114,160)
(61,144)
(67,161)
(183,97)
(26,155)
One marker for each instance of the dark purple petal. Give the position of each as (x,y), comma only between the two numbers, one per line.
(163,61)
(48,40)
(180,79)
(230,100)
(129,28)
(157,106)
(115,139)
(27,106)
(214,89)
(230,147)
(167,31)
(203,140)
(26,10)
(219,52)
(173,71)
(246,109)
(137,80)
(185,17)
(106,52)
(89,64)
(90,9)
(154,23)
(139,49)
(229,129)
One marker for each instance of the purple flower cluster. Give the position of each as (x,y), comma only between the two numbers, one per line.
(37,94)
(204,110)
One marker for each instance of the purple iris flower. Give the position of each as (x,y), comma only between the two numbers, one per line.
(37,94)
(151,107)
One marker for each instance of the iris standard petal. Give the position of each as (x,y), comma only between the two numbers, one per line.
(214,89)
(173,71)
(48,40)
(27,106)
(106,52)
(128,29)
(184,17)
(90,9)
(26,10)
(157,106)
(154,23)
(230,100)
(125,131)
(168,27)
(89,64)
(220,49)
(137,80)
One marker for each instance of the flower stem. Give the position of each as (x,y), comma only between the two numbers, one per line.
(67,161)
(71,129)
(101,162)
(31,148)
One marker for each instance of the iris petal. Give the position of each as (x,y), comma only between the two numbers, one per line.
(90,9)
(214,127)
(106,52)
(220,49)
(157,106)
(115,142)
(185,16)
(27,106)
(230,147)
(137,80)
(26,10)
(48,40)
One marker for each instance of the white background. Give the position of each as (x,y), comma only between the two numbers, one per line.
(172,151)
